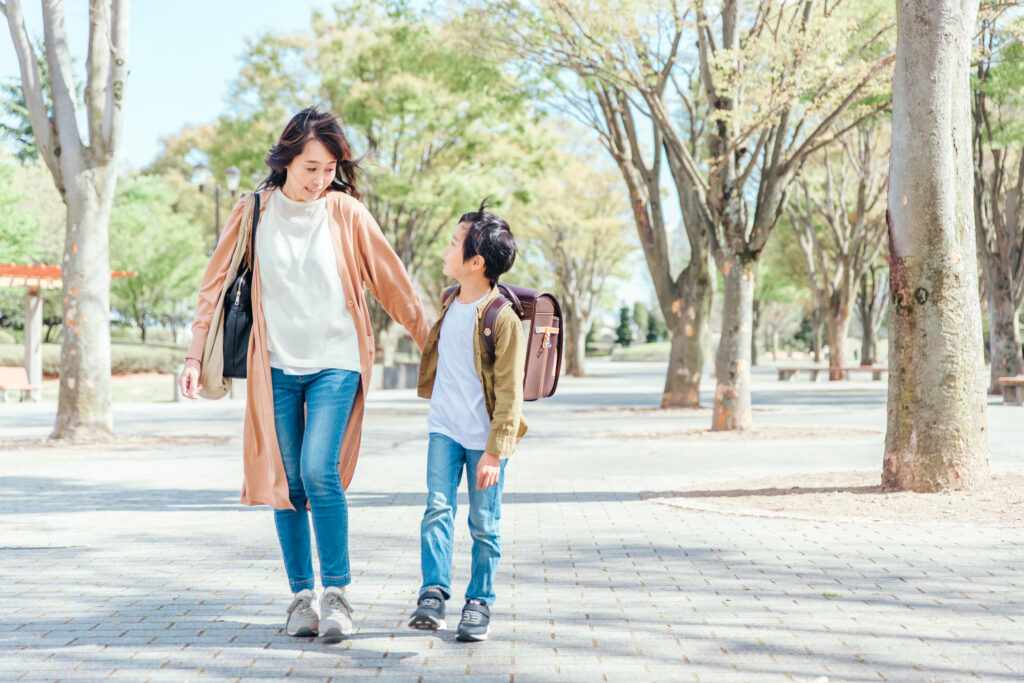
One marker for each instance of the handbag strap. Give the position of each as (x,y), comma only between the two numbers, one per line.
(251,246)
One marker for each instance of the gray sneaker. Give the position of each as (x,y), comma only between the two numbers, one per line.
(302,620)
(335,613)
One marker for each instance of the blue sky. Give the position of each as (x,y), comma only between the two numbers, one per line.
(183,55)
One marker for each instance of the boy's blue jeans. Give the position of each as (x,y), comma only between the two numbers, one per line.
(311,413)
(446,459)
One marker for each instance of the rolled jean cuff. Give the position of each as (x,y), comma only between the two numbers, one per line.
(336,581)
(444,591)
(297,586)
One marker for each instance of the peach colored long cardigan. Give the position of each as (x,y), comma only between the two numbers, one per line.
(364,258)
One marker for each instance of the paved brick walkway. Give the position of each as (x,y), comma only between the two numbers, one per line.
(141,565)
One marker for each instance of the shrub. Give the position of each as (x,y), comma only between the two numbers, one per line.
(124,358)
(6,338)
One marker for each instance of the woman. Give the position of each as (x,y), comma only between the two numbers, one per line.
(310,352)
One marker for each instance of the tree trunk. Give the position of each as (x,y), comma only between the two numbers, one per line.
(816,323)
(1003,338)
(936,432)
(754,328)
(869,333)
(837,324)
(868,343)
(575,329)
(689,330)
(83,405)
(732,362)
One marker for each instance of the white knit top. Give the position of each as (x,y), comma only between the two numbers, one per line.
(309,327)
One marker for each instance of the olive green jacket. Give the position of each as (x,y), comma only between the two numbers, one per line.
(501,380)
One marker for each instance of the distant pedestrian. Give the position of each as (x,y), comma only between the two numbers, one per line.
(310,352)
(474,421)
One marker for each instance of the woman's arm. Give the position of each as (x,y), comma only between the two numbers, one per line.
(213,282)
(386,278)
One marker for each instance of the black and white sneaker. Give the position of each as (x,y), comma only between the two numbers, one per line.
(476,622)
(429,614)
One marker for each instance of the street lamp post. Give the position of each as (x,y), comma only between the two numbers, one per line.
(203,178)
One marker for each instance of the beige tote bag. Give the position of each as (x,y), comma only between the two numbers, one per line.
(212,381)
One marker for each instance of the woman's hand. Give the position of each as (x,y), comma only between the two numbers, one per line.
(188,380)
(487,471)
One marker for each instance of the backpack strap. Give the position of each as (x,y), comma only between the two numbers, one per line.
(490,317)
(487,322)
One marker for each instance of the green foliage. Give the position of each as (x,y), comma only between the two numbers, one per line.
(16,126)
(6,338)
(641,316)
(441,127)
(1000,79)
(18,226)
(165,247)
(643,353)
(804,336)
(656,330)
(124,358)
(15,121)
(592,335)
(624,332)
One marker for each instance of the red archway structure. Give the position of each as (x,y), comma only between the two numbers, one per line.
(34,278)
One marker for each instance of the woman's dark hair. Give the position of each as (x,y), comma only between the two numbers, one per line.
(490,237)
(310,124)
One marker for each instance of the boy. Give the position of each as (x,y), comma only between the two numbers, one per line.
(475,420)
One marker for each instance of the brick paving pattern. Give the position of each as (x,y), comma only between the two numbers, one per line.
(142,565)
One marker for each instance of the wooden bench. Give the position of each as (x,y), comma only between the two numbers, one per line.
(15,379)
(786,373)
(1012,390)
(875,370)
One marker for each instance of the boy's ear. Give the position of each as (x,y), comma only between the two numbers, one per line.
(477,262)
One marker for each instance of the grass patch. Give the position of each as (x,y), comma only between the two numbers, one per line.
(148,387)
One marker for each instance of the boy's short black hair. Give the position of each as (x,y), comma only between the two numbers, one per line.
(490,237)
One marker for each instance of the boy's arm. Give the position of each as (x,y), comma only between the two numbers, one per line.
(509,366)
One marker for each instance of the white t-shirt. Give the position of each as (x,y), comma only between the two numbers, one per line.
(457,407)
(309,327)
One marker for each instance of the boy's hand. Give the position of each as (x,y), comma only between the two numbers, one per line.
(487,471)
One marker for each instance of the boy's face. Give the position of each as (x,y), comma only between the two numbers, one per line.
(454,265)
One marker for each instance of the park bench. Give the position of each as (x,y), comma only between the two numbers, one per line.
(15,379)
(786,373)
(1012,390)
(789,372)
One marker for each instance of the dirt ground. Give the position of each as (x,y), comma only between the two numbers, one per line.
(120,442)
(759,434)
(855,495)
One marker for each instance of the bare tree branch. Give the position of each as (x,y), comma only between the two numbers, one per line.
(32,88)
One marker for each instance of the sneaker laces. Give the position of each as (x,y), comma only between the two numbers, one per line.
(303,604)
(332,602)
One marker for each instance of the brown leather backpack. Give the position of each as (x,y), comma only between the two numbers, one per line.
(542,323)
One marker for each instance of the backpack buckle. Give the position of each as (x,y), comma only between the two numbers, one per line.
(547,332)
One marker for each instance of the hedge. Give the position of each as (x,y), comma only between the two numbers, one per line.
(124,358)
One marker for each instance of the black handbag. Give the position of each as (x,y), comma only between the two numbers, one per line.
(238,308)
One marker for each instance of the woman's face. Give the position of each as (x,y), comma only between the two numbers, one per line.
(310,173)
